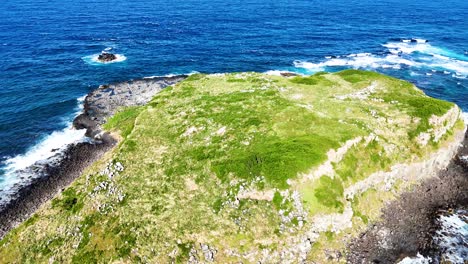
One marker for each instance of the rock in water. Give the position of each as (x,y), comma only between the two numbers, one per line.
(289,74)
(106,57)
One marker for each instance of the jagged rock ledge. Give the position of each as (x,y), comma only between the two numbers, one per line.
(107,99)
(62,169)
(409,223)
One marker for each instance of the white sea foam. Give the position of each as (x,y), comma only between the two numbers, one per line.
(452,237)
(408,48)
(45,149)
(48,147)
(420,40)
(419,259)
(159,76)
(274,72)
(170,75)
(93,59)
(364,60)
(465,117)
(401,54)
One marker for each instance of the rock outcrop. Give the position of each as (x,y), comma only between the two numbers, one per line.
(107,99)
(106,57)
(51,176)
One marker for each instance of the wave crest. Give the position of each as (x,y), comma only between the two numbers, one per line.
(419,55)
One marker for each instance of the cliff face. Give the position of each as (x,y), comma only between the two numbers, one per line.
(246,167)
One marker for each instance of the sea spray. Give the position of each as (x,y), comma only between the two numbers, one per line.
(46,151)
(452,236)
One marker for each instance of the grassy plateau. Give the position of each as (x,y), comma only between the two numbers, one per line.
(240,167)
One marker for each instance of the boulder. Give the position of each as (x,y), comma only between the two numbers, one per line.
(106,57)
(288,74)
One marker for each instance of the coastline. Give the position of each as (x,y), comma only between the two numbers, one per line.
(409,224)
(55,175)
(419,207)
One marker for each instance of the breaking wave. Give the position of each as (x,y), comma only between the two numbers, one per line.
(44,151)
(417,55)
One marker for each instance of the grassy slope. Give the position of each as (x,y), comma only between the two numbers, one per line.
(197,146)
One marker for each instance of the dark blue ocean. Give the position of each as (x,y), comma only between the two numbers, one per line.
(47,52)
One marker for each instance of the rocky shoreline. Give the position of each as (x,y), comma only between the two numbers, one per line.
(53,175)
(409,223)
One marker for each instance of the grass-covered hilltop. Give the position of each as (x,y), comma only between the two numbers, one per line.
(245,167)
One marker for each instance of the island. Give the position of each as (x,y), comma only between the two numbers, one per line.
(249,167)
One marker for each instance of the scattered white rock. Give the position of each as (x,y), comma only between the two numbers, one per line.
(189,131)
(361,94)
(221,131)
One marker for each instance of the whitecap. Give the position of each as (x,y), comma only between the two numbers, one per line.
(363,60)
(458,76)
(419,55)
(420,40)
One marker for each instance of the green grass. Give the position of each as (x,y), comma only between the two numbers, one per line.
(190,152)
(124,120)
(355,76)
(316,79)
(70,201)
(275,158)
(330,193)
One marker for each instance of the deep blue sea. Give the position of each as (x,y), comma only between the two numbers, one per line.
(47,52)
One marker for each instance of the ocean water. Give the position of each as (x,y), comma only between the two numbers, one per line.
(48,52)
